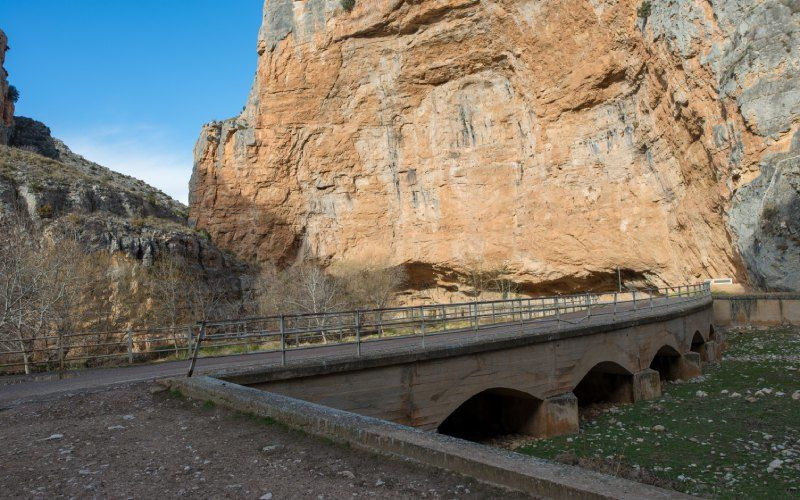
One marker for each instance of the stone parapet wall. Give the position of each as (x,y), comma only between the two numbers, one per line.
(511,470)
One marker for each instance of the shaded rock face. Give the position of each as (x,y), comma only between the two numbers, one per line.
(765,214)
(560,139)
(6,104)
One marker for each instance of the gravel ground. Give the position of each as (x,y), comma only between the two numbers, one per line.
(126,442)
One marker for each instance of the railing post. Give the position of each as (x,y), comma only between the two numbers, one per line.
(493,320)
(130,346)
(200,338)
(634,299)
(614,316)
(283,339)
(651,298)
(188,341)
(422,324)
(588,306)
(475,315)
(358,334)
(558,313)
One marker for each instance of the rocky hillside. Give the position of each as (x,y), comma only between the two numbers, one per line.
(42,179)
(6,102)
(558,139)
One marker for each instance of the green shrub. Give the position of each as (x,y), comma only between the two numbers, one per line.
(36,187)
(348,5)
(644,9)
(204,233)
(12,94)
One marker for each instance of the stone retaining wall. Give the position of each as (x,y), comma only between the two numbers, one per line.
(757,310)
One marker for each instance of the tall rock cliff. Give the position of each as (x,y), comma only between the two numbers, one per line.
(6,102)
(557,139)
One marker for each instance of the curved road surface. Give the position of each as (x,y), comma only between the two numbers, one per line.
(16,389)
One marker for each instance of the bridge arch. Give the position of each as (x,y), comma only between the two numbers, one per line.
(605,382)
(492,412)
(697,342)
(666,362)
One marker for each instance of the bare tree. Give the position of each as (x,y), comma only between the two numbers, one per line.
(371,286)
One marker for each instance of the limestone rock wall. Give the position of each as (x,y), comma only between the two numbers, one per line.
(6,104)
(559,139)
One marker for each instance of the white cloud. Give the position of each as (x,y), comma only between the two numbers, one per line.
(142,151)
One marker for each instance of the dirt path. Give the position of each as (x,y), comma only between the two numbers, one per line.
(129,443)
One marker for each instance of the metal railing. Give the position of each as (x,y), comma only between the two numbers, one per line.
(362,329)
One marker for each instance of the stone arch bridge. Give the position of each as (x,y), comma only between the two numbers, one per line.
(529,377)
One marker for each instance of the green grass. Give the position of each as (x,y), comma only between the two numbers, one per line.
(714,445)
(209,405)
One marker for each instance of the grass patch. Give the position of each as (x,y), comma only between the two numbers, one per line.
(209,405)
(715,445)
(176,394)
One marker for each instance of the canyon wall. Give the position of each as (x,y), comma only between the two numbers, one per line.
(557,140)
(6,104)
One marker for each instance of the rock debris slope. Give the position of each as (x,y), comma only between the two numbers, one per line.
(557,139)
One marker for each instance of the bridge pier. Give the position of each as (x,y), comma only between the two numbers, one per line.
(555,416)
(688,366)
(646,385)
(710,352)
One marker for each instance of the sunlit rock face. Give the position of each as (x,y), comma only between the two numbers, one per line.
(557,139)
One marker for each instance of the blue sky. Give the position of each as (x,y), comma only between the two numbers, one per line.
(129,84)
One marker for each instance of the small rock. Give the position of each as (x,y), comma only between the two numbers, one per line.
(735,395)
(659,428)
(52,437)
(775,464)
(750,399)
(116,427)
(347,474)
(701,394)
(265,496)
(156,389)
(128,417)
(271,447)
(379,483)
(796,395)
(724,391)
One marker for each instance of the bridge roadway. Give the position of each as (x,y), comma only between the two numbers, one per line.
(47,385)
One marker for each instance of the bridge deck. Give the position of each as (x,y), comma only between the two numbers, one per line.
(603,314)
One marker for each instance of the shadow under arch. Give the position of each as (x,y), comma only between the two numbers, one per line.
(490,413)
(712,335)
(666,362)
(697,342)
(605,382)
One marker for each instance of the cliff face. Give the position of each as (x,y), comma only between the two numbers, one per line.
(45,182)
(558,139)
(6,104)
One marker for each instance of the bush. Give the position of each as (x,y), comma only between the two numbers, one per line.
(137,221)
(644,9)
(45,211)
(12,94)
(348,5)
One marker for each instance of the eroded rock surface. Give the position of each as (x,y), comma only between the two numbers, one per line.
(559,138)
(6,104)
